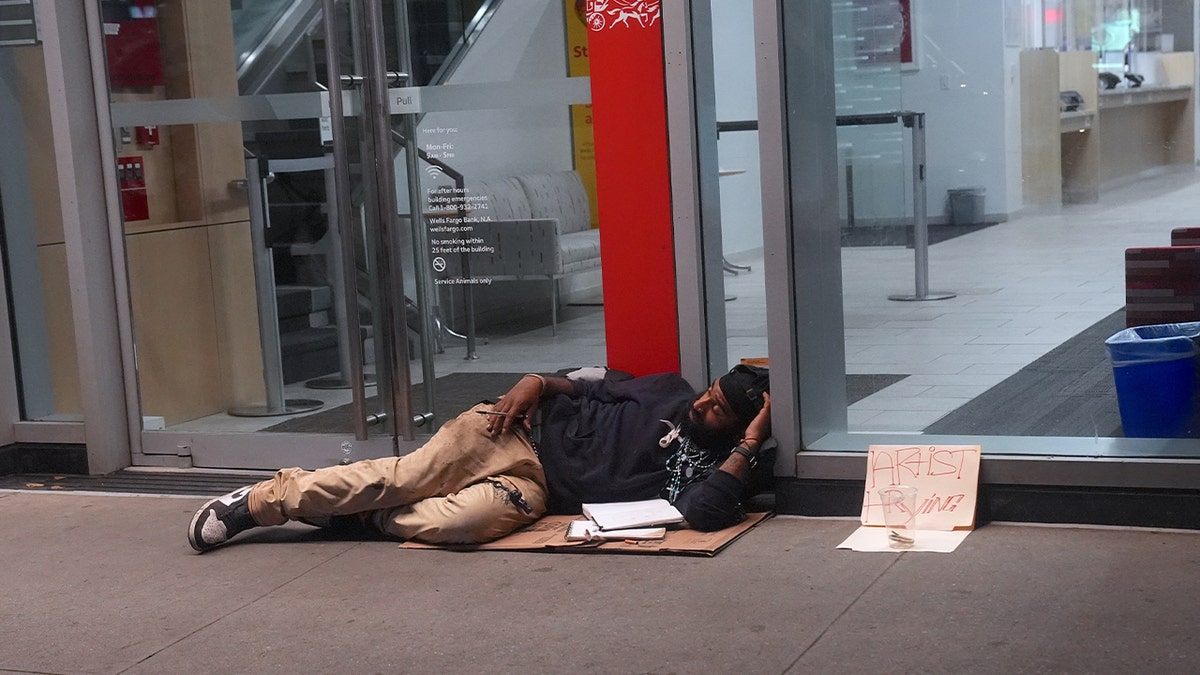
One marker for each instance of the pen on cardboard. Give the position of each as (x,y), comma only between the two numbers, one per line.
(497,413)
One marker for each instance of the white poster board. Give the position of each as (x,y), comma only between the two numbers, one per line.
(946,478)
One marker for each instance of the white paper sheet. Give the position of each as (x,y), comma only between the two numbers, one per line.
(873,538)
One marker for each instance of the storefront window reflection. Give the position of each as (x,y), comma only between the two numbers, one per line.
(1040,175)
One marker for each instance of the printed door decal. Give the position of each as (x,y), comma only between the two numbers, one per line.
(603,14)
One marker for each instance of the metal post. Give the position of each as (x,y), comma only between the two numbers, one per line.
(344,251)
(849,195)
(377,113)
(423,276)
(916,122)
(469,302)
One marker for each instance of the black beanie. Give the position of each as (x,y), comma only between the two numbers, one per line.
(743,387)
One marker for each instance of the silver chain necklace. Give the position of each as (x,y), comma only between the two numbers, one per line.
(690,463)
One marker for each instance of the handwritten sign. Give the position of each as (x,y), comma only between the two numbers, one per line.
(946,478)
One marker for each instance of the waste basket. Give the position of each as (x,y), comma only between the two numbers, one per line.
(1155,369)
(966,205)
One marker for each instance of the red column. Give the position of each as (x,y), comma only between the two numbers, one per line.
(633,183)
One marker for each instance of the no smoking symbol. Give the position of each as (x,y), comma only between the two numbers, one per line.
(439,264)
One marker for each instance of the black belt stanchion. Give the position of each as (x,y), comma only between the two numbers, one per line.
(916,122)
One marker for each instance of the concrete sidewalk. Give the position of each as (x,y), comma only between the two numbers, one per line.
(107,584)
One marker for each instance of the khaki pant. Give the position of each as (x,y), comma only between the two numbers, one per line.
(457,488)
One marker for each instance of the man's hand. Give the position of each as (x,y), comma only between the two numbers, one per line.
(519,405)
(757,433)
(760,427)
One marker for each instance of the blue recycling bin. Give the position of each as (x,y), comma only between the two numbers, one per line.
(1155,369)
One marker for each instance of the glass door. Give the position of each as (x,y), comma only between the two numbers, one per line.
(33,244)
(346,221)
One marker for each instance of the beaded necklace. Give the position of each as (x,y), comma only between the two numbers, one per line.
(689,464)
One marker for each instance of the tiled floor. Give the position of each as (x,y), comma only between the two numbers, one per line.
(1022,288)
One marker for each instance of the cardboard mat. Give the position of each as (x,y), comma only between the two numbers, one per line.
(548,535)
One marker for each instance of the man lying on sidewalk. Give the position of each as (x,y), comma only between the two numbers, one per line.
(607,439)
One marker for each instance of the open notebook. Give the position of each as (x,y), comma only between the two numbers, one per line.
(586,530)
(625,515)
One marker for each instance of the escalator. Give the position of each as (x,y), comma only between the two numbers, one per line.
(265,35)
(441,33)
(270,34)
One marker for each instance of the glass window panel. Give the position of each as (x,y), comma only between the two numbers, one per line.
(35,258)
(739,167)
(1030,209)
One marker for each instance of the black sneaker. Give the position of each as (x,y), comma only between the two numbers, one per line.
(219,520)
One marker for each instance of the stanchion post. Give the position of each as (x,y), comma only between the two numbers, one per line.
(916,122)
